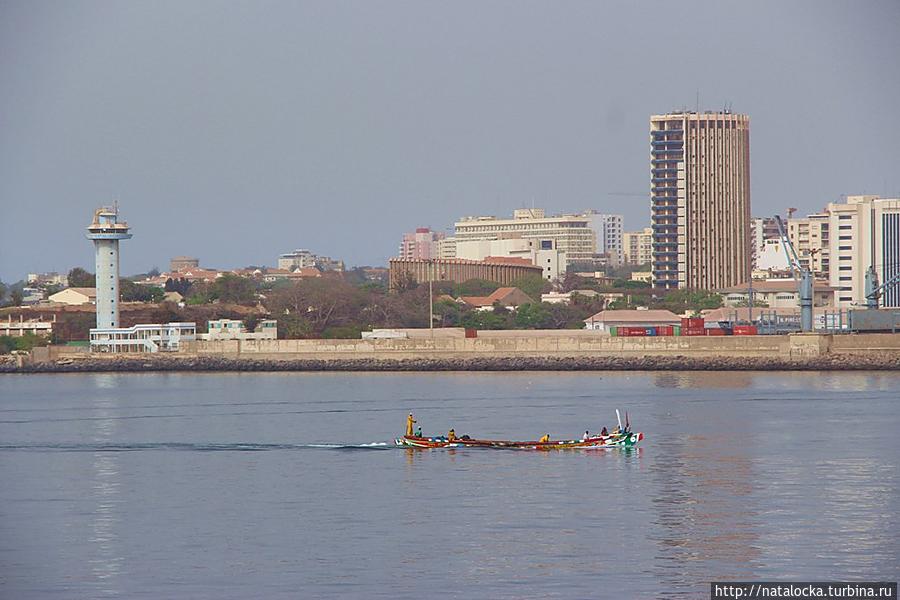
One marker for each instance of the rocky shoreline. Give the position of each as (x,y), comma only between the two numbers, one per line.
(885,362)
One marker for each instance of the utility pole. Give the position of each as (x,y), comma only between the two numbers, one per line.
(430,301)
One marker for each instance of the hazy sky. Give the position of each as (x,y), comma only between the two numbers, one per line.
(235,131)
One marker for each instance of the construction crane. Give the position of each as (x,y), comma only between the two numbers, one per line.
(873,290)
(802,275)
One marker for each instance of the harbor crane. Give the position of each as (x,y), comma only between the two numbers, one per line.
(802,276)
(873,290)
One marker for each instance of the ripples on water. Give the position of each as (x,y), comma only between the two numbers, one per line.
(287,485)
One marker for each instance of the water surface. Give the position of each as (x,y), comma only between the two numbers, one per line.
(283,485)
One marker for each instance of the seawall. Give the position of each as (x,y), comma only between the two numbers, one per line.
(499,351)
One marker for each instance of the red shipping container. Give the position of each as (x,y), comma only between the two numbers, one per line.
(471,333)
(715,331)
(665,330)
(693,331)
(745,330)
(632,331)
(693,322)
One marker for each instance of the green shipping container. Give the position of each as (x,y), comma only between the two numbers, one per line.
(612,331)
(676,329)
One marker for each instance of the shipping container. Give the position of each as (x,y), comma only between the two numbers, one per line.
(693,331)
(676,330)
(693,323)
(745,330)
(471,333)
(632,331)
(715,331)
(612,330)
(665,330)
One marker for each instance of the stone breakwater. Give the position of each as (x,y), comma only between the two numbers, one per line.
(147,363)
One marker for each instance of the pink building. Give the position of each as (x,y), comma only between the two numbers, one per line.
(420,245)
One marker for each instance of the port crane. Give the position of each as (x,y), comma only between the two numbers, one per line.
(802,275)
(873,290)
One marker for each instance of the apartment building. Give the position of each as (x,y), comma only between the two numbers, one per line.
(811,240)
(864,231)
(700,199)
(608,232)
(570,234)
(637,246)
(301,259)
(421,244)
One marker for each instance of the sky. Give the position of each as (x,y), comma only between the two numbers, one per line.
(235,131)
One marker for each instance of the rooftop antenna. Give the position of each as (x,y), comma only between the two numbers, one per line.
(698,101)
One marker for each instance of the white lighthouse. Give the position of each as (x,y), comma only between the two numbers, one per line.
(106,231)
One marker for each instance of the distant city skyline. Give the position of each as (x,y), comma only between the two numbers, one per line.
(338,127)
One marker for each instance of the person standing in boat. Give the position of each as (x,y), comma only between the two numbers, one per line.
(409,424)
(451,435)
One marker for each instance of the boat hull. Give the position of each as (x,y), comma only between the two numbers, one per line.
(628,440)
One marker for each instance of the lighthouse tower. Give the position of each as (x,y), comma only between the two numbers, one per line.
(106,231)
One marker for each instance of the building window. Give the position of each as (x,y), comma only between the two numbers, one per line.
(845,248)
(845,217)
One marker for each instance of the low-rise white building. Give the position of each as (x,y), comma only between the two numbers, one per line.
(233,329)
(21,327)
(778,293)
(605,319)
(143,338)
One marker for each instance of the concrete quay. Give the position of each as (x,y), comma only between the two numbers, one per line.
(577,350)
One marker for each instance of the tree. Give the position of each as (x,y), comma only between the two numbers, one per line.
(78,277)
(133,292)
(233,289)
(533,286)
(476,287)
(153,272)
(532,316)
(16,297)
(3,289)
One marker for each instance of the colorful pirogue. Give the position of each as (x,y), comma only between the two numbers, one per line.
(621,437)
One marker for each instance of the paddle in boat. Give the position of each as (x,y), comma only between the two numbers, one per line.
(621,437)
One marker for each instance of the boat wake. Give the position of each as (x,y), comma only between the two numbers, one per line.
(184,447)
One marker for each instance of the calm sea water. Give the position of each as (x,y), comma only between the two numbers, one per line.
(267,485)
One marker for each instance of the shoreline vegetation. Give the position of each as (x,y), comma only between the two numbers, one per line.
(155,363)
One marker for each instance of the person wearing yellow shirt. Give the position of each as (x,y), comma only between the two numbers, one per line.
(409,424)
(545,438)
(451,435)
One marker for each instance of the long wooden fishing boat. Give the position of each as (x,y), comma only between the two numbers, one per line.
(621,437)
(625,439)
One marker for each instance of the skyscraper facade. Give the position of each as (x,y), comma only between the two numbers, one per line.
(700,199)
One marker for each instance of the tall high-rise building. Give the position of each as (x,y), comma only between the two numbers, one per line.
(106,231)
(608,231)
(422,244)
(864,231)
(700,199)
